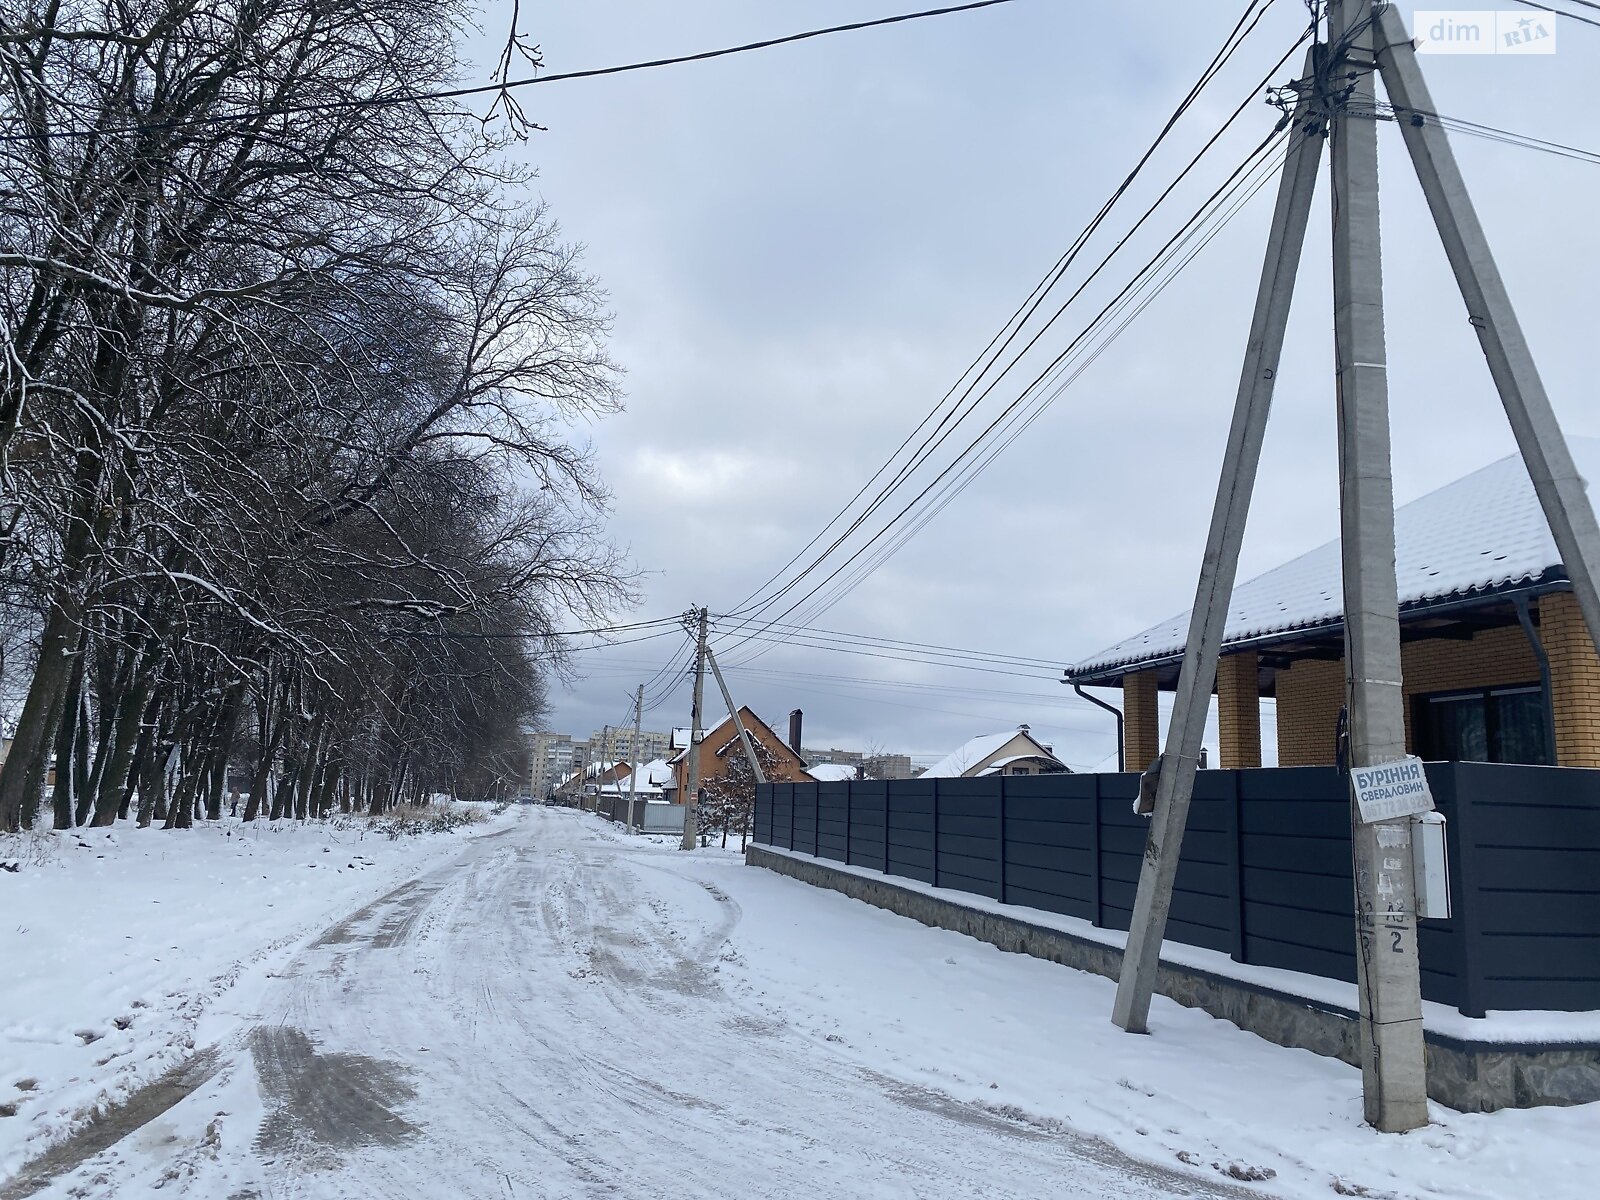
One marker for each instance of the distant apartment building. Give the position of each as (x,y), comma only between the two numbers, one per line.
(874,766)
(616,743)
(843,758)
(555,756)
(558,755)
(888,766)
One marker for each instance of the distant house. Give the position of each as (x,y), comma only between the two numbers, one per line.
(722,740)
(833,772)
(581,787)
(1496,664)
(654,779)
(1013,752)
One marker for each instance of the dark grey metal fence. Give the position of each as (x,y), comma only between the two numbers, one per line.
(1265,873)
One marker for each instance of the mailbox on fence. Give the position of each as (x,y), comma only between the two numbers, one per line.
(1431,865)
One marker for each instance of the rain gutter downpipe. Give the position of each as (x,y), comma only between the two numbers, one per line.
(1526,619)
(1116,712)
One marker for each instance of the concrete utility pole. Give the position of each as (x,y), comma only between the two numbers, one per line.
(1341,92)
(691,787)
(1197,676)
(633,775)
(738,721)
(1393,1069)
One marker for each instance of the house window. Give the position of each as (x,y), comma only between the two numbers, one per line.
(1503,725)
(1022,771)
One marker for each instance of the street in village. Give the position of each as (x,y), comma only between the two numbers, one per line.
(560,1010)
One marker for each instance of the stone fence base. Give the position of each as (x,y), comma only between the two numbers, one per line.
(1465,1075)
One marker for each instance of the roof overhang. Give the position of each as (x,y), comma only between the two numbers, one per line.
(1454,617)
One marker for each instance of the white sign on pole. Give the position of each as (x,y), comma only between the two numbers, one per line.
(1388,790)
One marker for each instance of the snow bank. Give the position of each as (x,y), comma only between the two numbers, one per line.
(1033,1041)
(125,948)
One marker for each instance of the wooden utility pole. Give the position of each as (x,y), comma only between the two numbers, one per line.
(1388,971)
(691,786)
(633,774)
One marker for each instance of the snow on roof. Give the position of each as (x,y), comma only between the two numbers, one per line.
(1481,533)
(831,772)
(653,776)
(953,766)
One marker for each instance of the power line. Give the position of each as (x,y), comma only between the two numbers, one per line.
(496,89)
(926,450)
(1029,306)
(932,647)
(1056,699)
(1216,202)
(490,635)
(1492,133)
(1020,421)
(1571,16)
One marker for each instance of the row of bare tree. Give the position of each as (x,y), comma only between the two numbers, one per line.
(289,362)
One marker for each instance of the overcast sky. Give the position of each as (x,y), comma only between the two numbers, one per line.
(805,246)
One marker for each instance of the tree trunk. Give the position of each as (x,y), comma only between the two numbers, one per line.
(69,745)
(119,757)
(25,762)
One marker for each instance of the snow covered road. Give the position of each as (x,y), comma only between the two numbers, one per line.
(558,1013)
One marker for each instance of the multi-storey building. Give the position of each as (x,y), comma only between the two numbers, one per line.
(616,743)
(558,755)
(555,756)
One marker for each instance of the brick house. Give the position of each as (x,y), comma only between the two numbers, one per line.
(722,740)
(1496,663)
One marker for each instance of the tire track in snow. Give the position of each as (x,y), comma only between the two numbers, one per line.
(552,1003)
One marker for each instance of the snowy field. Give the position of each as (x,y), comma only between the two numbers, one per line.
(562,1011)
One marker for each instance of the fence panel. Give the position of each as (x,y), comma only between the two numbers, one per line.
(1049,838)
(833,822)
(968,835)
(911,816)
(761,829)
(1265,873)
(869,800)
(1530,884)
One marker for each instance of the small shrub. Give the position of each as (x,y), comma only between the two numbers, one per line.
(410,820)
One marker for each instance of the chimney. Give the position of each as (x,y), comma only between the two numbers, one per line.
(795,718)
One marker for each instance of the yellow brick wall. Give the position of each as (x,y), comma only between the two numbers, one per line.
(1574,680)
(1493,658)
(1141,722)
(1239,711)
(1310,694)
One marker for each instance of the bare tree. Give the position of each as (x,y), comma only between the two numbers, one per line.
(287,368)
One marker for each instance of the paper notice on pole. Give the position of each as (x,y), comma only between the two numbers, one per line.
(1389,790)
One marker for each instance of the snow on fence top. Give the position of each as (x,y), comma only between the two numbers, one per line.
(1482,533)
